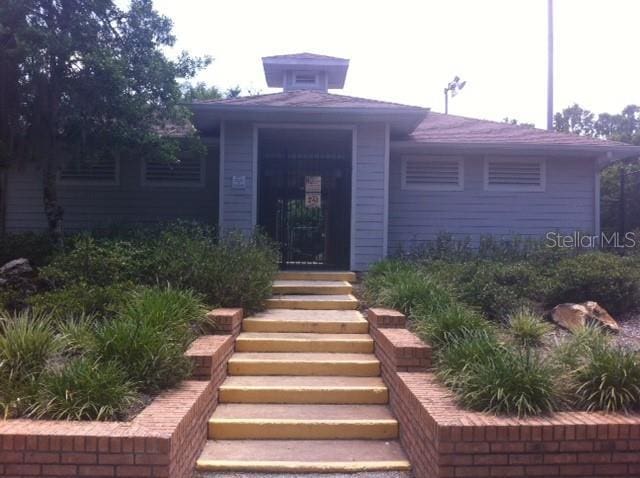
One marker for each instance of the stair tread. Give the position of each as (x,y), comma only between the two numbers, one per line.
(322,455)
(316,357)
(308,315)
(302,382)
(304,336)
(307,412)
(317,275)
(310,283)
(315,298)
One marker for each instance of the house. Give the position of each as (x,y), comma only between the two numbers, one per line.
(340,182)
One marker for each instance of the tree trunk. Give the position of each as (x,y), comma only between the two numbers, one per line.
(52,209)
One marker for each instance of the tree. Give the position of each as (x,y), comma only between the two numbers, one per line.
(84,80)
(624,127)
(515,122)
(200,91)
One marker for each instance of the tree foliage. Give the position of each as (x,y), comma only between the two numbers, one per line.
(623,127)
(84,80)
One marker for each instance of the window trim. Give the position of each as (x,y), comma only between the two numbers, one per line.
(114,181)
(513,187)
(431,187)
(147,183)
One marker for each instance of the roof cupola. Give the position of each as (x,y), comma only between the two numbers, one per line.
(305,71)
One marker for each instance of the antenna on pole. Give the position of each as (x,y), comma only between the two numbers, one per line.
(454,88)
(550,65)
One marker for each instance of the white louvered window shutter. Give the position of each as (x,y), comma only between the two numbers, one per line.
(515,175)
(188,171)
(432,173)
(105,171)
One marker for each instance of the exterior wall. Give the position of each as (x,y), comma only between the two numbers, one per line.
(237,148)
(568,205)
(93,205)
(368,215)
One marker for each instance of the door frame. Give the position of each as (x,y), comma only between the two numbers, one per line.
(354,143)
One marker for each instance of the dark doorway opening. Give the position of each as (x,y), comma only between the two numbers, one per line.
(304,195)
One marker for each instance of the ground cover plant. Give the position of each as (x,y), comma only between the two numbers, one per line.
(112,314)
(483,311)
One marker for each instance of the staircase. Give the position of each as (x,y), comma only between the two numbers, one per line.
(304,392)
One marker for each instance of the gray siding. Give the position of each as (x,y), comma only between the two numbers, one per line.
(237,207)
(567,205)
(89,206)
(368,216)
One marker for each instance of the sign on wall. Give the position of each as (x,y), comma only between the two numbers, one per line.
(238,182)
(313,184)
(312,200)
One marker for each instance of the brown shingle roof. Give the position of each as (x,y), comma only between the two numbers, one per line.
(309,99)
(451,129)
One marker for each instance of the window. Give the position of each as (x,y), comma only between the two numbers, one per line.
(432,173)
(305,79)
(106,171)
(187,171)
(514,174)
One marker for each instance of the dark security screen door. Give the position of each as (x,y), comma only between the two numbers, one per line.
(304,196)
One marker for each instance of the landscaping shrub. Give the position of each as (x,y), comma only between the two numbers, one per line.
(77,299)
(94,262)
(27,343)
(609,380)
(447,324)
(85,389)
(149,336)
(467,348)
(400,286)
(574,351)
(37,247)
(527,328)
(511,382)
(612,281)
(77,334)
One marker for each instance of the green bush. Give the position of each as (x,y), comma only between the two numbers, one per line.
(178,313)
(400,286)
(610,280)
(149,336)
(511,382)
(37,247)
(85,390)
(527,328)
(27,344)
(448,324)
(573,352)
(77,299)
(609,380)
(94,262)
(77,334)
(468,348)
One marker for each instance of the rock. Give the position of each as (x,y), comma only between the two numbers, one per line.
(574,316)
(16,267)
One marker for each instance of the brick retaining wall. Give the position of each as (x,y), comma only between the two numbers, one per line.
(227,321)
(164,440)
(443,440)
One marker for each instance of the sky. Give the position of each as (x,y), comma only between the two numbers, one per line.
(408,50)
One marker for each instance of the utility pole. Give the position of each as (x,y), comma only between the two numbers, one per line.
(550,65)
(454,87)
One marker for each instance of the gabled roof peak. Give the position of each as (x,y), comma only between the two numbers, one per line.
(304,56)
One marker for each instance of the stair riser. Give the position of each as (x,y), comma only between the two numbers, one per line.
(301,467)
(378,396)
(317,290)
(348,369)
(249,325)
(291,430)
(291,275)
(311,305)
(257,345)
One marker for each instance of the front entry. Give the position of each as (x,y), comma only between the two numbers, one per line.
(305,196)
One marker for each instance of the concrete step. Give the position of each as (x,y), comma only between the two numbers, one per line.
(304,364)
(291,389)
(302,456)
(313,302)
(302,422)
(303,342)
(313,287)
(310,321)
(317,275)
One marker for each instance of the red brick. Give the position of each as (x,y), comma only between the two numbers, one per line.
(79,458)
(609,470)
(41,457)
(133,471)
(59,470)
(96,470)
